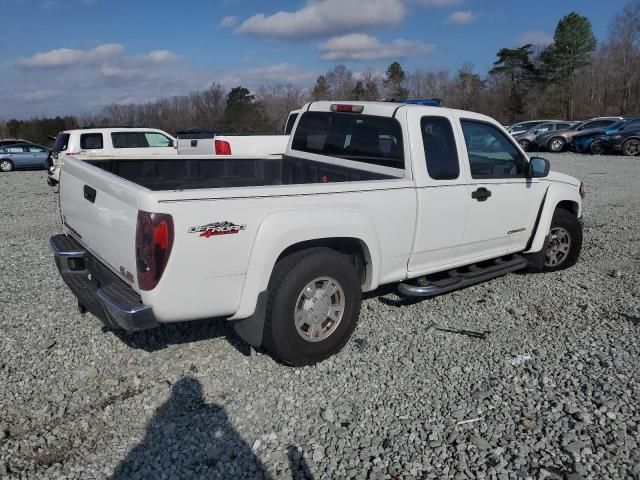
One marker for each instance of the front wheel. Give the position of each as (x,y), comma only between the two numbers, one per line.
(6,165)
(631,147)
(313,306)
(556,144)
(565,241)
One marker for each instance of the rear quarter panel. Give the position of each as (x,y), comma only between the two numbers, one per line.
(222,275)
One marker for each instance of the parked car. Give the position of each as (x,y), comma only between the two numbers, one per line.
(23,155)
(589,142)
(626,142)
(526,138)
(285,245)
(522,127)
(13,141)
(108,141)
(557,141)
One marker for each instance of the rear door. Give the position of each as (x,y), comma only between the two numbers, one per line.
(442,191)
(38,156)
(503,202)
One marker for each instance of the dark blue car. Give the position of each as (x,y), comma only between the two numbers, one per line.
(592,142)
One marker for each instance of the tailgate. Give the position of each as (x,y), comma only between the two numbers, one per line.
(100,210)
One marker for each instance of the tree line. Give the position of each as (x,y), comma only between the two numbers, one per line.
(573,77)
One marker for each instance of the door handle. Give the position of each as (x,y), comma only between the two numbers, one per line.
(481,194)
(90,193)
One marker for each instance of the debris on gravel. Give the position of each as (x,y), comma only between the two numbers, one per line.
(526,376)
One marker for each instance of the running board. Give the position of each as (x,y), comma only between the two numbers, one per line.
(464,277)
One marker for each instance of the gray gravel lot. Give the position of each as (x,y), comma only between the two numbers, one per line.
(551,391)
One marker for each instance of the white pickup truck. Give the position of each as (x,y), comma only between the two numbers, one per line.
(366,194)
(208,142)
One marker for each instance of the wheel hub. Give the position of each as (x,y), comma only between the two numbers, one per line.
(558,247)
(319,309)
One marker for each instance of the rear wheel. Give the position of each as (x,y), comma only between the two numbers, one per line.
(631,147)
(596,148)
(313,306)
(565,241)
(556,144)
(6,165)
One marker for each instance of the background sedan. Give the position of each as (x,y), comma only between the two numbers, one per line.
(23,156)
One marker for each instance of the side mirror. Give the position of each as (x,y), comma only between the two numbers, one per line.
(538,167)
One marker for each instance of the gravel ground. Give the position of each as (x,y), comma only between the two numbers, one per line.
(549,389)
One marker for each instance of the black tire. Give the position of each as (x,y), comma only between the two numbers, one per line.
(569,223)
(596,148)
(556,144)
(6,165)
(290,276)
(631,147)
(525,144)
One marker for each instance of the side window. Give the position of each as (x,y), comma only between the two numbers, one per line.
(157,139)
(36,149)
(545,127)
(632,125)
(491,154)
(91,141)
(439,148)
(562,126)
(129,140)
(16,149)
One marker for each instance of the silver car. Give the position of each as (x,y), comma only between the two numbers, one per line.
(23,156)
(525,139)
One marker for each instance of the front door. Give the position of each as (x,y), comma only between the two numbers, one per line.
(503,202)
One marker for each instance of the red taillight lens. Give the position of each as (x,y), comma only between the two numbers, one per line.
(223,148)
(335,107)
(154,239)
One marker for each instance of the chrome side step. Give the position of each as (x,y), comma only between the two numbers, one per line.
(463,277)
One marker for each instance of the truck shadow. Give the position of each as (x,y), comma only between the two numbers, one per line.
(179,333)
(188,438)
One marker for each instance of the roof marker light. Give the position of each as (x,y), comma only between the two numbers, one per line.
(335,107)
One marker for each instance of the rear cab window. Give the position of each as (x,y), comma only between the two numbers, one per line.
(91,141)
(290,122)
(351,136)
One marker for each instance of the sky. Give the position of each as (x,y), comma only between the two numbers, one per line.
(62,57)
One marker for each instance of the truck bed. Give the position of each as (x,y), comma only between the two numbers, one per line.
(192,173)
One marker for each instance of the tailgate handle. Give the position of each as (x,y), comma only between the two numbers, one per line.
(90,193)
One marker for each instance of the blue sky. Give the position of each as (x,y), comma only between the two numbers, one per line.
(74,56)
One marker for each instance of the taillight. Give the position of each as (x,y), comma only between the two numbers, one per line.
(154,239)
(223,148)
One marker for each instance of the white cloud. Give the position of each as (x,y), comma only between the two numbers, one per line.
(68,56)
(439,3)
(228,22)
(535,37)
(461,17)
(160,56)
(359,46)
(87,80)
(325,17)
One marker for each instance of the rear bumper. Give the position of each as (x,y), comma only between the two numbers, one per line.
(98,289)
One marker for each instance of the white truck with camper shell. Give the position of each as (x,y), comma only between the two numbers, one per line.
(367,193)
(123,141)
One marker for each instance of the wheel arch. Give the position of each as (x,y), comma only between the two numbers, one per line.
(286,232)
(559,196)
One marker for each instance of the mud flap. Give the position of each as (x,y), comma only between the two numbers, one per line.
(250,329)
(535,261)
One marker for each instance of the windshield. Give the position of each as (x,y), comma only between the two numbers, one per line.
(62,142)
